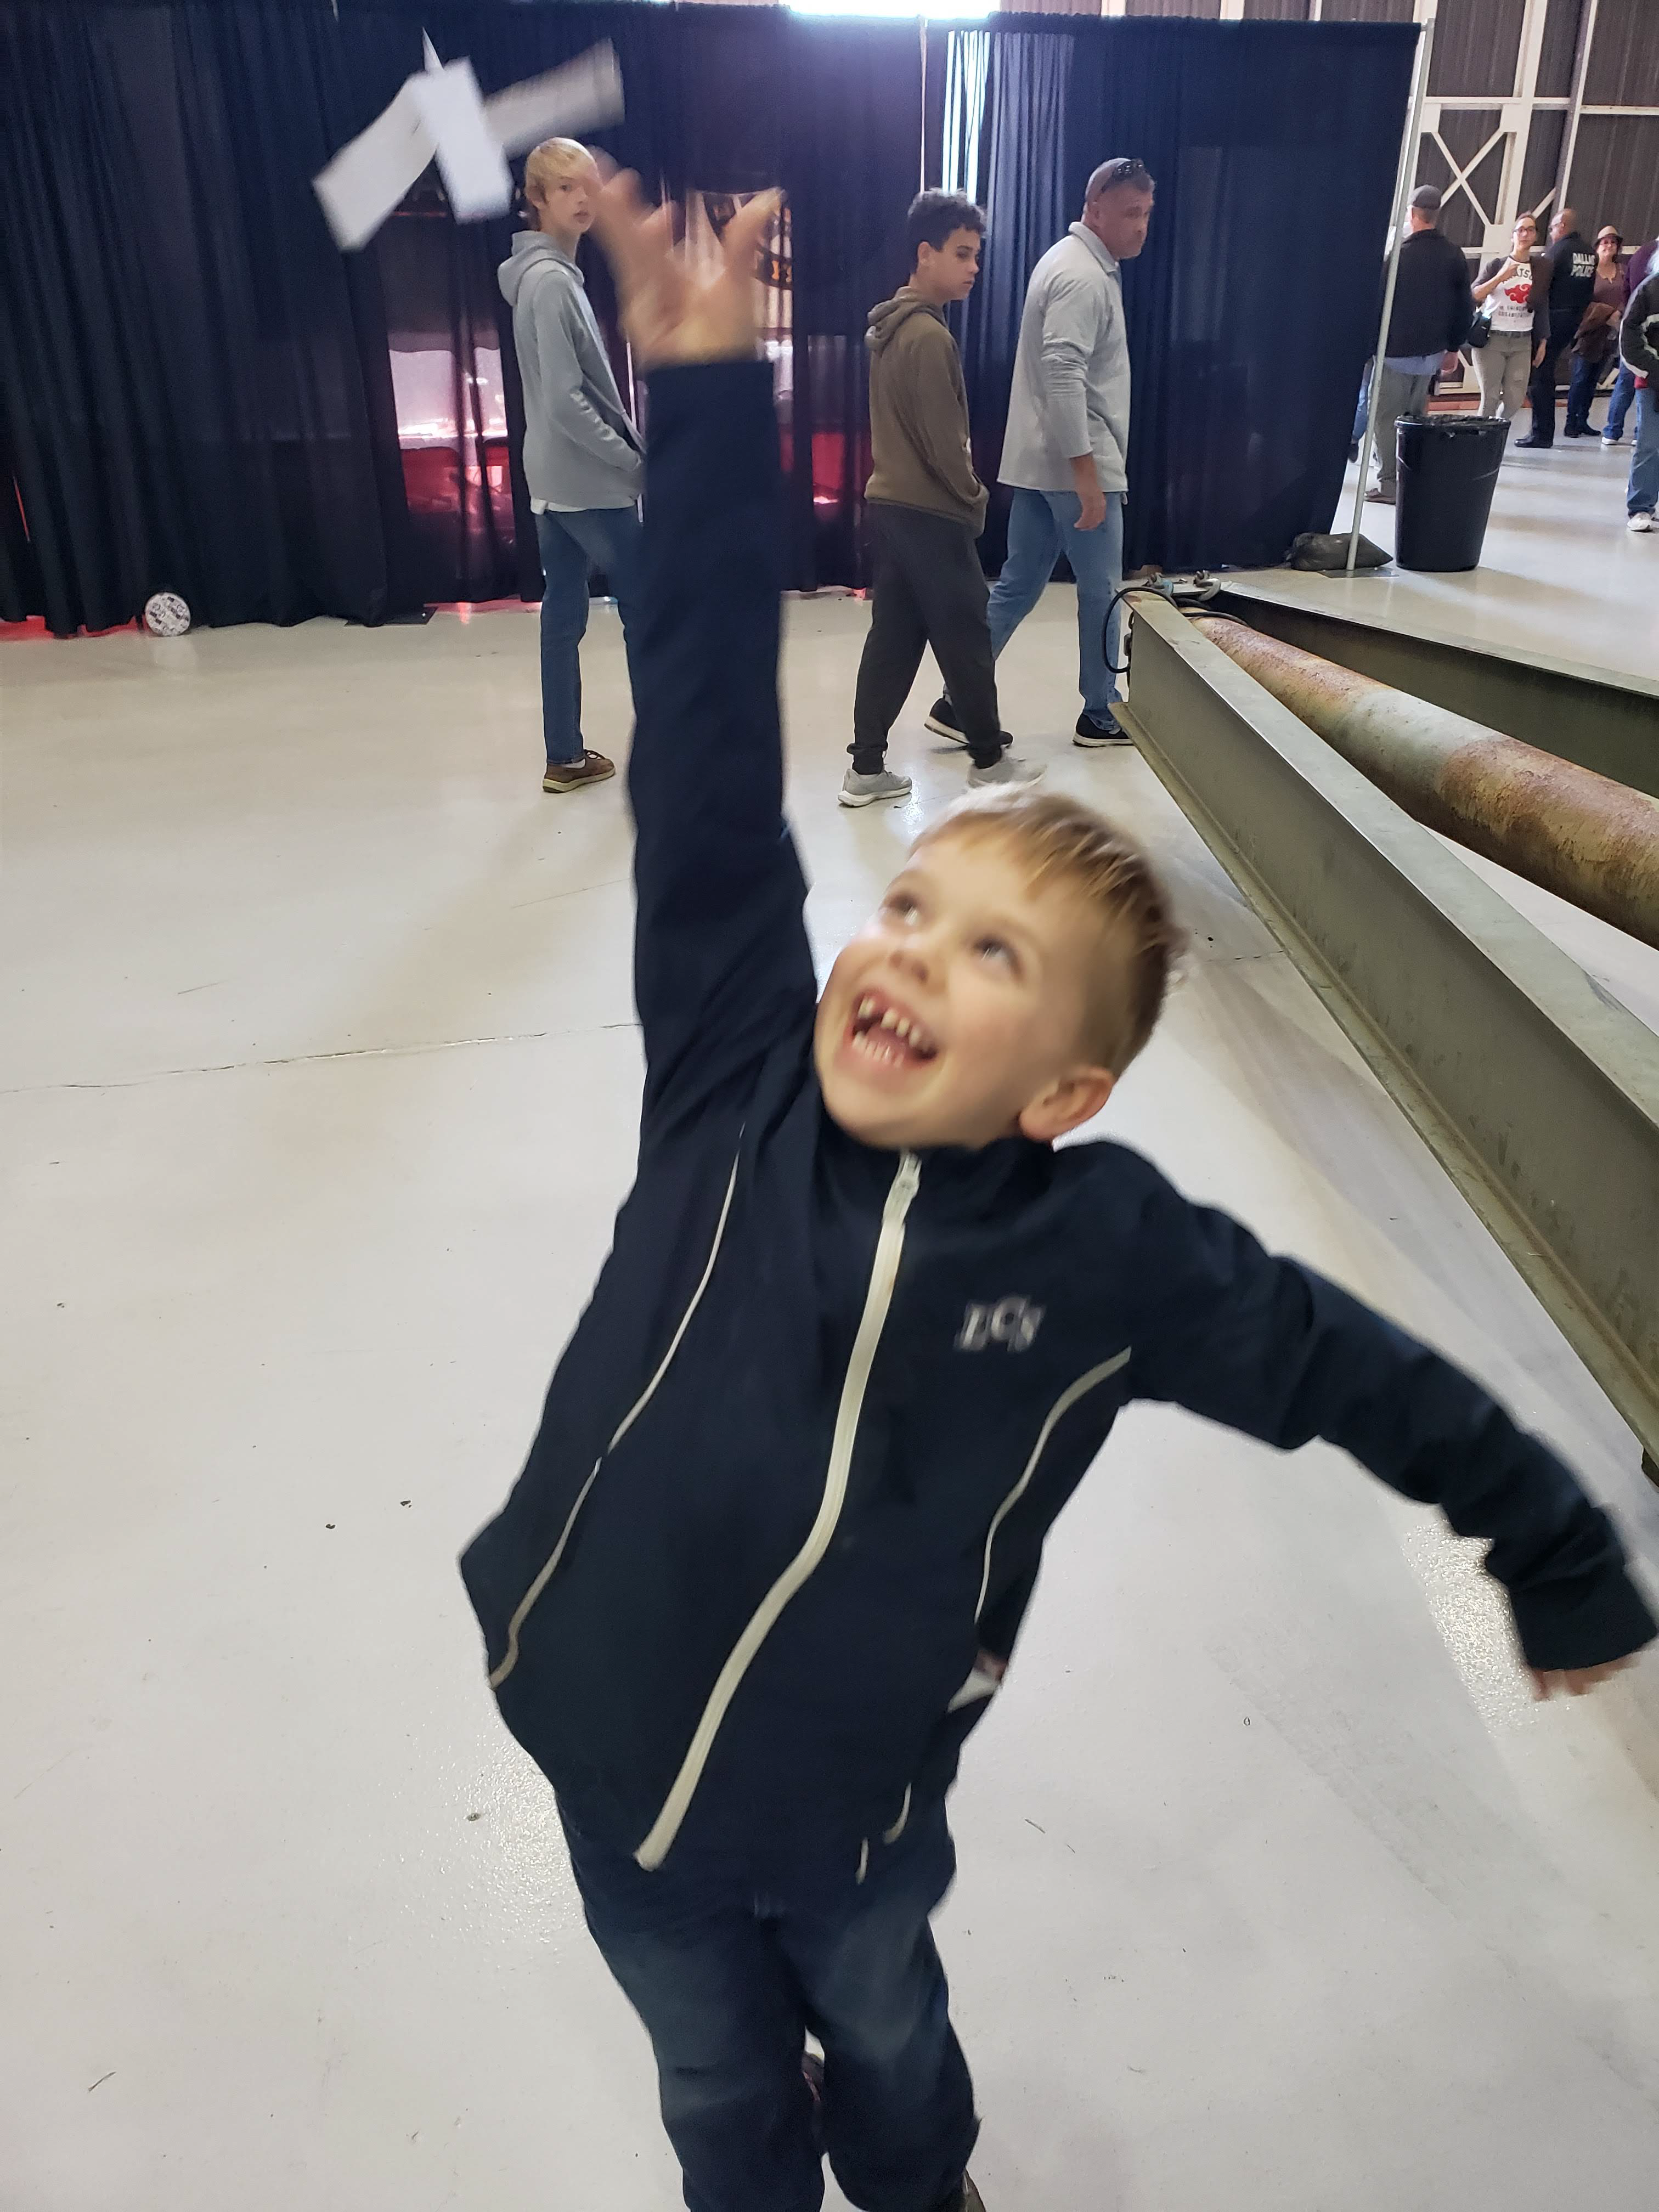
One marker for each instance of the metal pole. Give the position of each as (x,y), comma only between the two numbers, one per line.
(1576,104)
(1402,193)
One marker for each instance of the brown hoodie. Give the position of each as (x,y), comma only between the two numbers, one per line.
(919,414)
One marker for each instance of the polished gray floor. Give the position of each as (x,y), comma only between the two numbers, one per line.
(1278,1895)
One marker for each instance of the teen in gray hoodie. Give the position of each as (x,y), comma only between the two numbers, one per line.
(582,457)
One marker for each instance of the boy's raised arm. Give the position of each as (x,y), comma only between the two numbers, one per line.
(721,957)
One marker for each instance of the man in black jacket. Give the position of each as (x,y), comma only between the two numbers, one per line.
(1564,284)
(864,1328)
(1432,310)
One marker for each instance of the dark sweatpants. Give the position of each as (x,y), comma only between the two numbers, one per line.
(929,590)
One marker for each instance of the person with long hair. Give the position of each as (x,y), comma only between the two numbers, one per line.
(1597,341)
(1503,293)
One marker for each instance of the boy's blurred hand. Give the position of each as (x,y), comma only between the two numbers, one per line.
(1573,1680)
(668,314)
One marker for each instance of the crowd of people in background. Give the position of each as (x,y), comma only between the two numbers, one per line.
(1063,461)
(1065,445)
(1524,313)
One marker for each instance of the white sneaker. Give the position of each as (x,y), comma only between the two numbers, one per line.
(1642,523)
(858,790)
(1011,769)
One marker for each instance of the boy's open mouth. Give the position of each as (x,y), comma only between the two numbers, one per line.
(886,1036)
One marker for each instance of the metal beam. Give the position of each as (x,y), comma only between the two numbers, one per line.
(1539,1096)
(1581,835)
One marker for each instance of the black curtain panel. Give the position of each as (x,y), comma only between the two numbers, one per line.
(851,159)
(1250,312)
(193,383)
(1005,115)
(199,393)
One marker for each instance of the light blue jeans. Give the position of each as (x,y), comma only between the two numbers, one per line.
(1643,497)
(1624,390)
(1042,525)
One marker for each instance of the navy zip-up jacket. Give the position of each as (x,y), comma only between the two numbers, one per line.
(799,1457)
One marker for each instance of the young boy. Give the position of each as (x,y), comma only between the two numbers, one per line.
(926,510)
(861,1333)
(581,454)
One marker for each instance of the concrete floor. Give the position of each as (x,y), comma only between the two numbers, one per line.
(1561,580)
(320,1084)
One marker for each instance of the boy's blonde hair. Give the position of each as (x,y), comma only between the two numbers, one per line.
(1064,842)
(553,159)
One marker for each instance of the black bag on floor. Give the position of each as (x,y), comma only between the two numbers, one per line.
(1324,553)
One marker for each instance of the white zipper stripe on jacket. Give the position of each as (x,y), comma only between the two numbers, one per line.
(891,1835)
(882,1275)
(510,1657)
(1057,1413)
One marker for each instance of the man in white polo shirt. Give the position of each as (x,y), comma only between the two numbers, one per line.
(1068,438)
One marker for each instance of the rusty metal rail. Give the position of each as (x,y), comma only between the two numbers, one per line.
(1607,723)
(1537,1095)
(1578,834)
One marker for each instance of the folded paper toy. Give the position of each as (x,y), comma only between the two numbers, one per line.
(441,115)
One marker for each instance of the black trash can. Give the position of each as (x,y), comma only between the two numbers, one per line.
(1448,470)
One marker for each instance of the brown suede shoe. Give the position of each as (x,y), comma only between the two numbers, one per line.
(571,775)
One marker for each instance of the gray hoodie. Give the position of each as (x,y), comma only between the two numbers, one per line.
(580,448)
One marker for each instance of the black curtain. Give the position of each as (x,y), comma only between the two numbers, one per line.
(197,389)
(1006,94)
(1254,305)
(850,162)
(194,388)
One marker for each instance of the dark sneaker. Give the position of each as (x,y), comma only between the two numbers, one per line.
(942,721)
(858,790)
(572,774)
(1094,730)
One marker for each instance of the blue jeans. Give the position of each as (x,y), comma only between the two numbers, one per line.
(729,1970)
(572,546)
(1042,525)
(1643,497)
(1624,390)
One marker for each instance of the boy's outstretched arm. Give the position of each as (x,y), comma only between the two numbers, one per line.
(722,965)
(1270,1348)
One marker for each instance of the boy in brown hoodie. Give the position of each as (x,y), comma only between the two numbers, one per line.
(927,509)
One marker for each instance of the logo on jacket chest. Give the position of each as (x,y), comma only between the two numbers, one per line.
(1011,1322)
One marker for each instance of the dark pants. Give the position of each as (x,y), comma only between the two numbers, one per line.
(929,590)
(1541,391)
(729,1971)
(1581,391)
(572,545)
